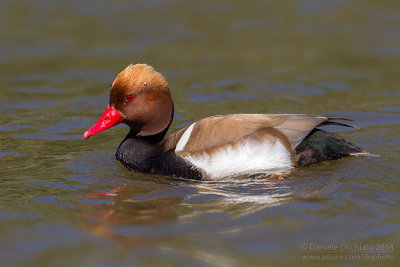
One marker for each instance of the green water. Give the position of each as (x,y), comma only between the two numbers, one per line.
(66,201)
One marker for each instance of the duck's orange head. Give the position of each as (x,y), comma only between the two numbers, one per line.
(139,97)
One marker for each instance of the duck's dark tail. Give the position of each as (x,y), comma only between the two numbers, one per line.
(321,145)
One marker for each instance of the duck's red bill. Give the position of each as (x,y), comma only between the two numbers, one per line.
(110,118)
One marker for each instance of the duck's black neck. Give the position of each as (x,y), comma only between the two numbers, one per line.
(139,152)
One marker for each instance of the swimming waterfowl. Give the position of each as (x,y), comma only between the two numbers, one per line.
(213,147)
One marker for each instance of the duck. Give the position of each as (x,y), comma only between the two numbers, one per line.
(215,147)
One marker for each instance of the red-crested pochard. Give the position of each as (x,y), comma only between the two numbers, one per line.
(214,147)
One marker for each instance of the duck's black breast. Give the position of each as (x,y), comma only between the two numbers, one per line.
(145,154)
(137,154)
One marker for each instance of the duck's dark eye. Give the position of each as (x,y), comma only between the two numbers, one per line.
(129,98)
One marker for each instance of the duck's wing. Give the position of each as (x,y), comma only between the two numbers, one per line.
(218,131)
(298,126)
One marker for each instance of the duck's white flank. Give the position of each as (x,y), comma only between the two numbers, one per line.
(184,138)
(248,158)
